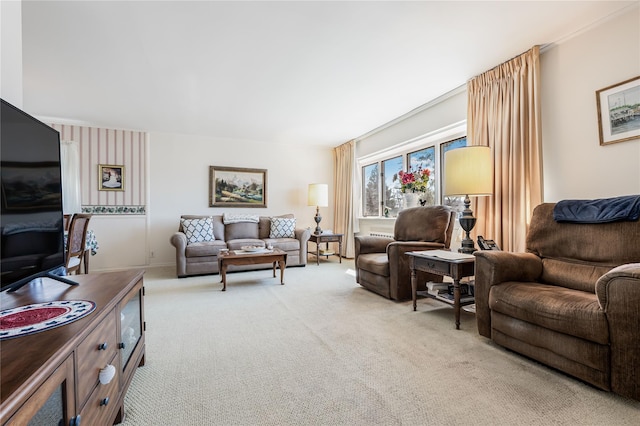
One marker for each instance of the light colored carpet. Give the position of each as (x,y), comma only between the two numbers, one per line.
(321,350)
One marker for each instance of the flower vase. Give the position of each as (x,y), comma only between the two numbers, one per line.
(411,199)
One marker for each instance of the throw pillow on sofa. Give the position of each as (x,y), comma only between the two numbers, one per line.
(198,230)
(282,227)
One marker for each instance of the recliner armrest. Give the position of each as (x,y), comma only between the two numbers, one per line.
(495,267)
(370,244)
(618,293)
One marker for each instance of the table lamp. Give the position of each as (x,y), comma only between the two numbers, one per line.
(319,197)
(468,171)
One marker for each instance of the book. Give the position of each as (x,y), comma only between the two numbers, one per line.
(437,286)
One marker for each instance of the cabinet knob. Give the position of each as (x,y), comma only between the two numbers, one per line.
(102,346)
(107,374)
(75,421)
(121,345)
(104,401)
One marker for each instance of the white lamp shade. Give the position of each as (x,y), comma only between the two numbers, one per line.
(468,171)
(318,194)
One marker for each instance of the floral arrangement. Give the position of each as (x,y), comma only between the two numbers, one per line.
(413,181)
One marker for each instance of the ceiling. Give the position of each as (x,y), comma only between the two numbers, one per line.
(317,73)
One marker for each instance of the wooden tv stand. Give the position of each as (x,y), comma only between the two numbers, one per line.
(52,376)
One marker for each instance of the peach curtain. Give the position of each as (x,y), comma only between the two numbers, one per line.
(503,112)
(344,162)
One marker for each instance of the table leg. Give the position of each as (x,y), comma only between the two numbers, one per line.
(87,253)
(318,253)
(414,287)
(456,302)
(282,266)
(274,269)
(223,272)
(340,249)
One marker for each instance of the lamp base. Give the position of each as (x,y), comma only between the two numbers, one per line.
(317,218)
(467,222)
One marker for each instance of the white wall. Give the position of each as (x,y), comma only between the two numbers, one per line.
(575,165)
(11,52)
(179,182)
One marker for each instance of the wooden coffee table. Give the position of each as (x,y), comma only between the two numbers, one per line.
(240,257)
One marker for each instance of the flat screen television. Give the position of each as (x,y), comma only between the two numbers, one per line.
(31,224)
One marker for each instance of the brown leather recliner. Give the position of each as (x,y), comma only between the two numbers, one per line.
(381,263)
(572,301)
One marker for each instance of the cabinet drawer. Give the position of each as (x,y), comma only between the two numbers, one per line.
(93,354)
(328,239)
(100,406)
(434,266)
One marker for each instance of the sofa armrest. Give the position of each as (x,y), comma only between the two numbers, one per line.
(179,241)
(303,235)
(495,267)
(618,293)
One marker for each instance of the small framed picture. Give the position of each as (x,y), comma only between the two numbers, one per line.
(619,111)
(110,177)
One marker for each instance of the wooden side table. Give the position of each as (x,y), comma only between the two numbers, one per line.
(325,238)
(445,263)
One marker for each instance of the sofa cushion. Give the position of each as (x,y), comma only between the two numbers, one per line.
(573,312)
(228,218)
(282,227)
(197,230)
(203,249)
(286,244)
(237,244)
(241,230)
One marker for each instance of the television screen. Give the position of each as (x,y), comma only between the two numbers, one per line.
(31,197)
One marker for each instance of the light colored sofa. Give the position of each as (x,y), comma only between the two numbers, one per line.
(201,258)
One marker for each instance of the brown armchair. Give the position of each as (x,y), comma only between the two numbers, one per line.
(381,263)
(571,301)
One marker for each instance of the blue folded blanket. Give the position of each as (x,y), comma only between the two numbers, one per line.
(602,210)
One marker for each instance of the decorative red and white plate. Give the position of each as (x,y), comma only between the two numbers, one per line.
(38,317)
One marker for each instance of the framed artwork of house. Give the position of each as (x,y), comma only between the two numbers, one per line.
(110,177)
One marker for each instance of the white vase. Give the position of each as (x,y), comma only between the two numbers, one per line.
(411,199)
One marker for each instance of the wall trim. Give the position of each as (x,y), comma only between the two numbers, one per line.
(115,210)
(413,112)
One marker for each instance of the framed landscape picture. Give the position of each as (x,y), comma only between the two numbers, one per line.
(110,177)
(237,187)
(619,111)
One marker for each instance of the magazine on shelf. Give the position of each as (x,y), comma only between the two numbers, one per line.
(449,298)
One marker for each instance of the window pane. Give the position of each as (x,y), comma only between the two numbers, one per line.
(421,160)
(456,203)
(371,200)
(392,196)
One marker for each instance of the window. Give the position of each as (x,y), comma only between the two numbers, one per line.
(370,191)
(457,203)
(425,159)
(381,195)
(392,196)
